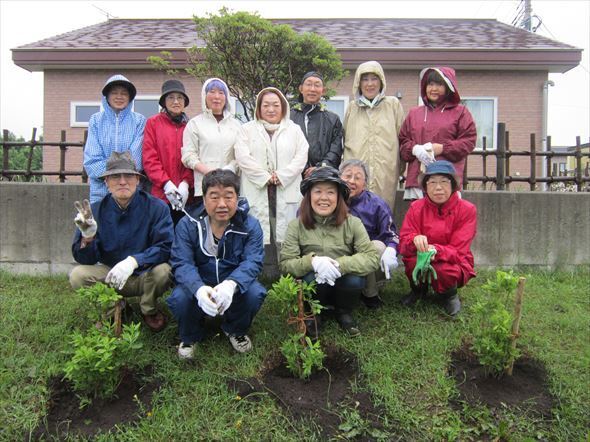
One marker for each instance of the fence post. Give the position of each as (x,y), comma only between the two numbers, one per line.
(62,157)
(84,174)
(501,157)
(548,164)
(31,151)
(484,162)
(5,152)
(578,164)
(533,177)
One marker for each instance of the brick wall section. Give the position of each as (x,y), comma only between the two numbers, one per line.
(519,95)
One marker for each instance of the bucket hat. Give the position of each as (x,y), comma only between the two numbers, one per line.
(172,86)
(120,162)
(325,174)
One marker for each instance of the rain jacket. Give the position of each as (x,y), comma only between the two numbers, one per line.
(110,132)
(162,141)
(239,257)
(258,156)
(210,142)
(449,124)
(371,134)
(142,230)
(323,131)
(376,216)
(450,227)
(349,244)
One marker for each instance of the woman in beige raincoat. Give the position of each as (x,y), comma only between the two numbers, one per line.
(271,152)
(371,127)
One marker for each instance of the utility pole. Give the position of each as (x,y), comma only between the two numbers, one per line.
(526,19)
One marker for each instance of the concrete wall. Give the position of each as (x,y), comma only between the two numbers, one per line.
(514,228)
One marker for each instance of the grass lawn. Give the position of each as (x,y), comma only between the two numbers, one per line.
(403,354)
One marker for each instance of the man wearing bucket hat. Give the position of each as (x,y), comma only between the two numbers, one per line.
(116,128)
(321,127)
(443,226)
(162,144)
(328,245)
(124,240)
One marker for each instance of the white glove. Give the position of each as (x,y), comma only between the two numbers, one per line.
(183,190)
(326,269)
(424,153)
(205,300)
(173,195)
(121,272)
(389,261)
(84,219)
(223,294)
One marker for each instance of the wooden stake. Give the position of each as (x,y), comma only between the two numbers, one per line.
(516,322)
(118,319)
(301,311)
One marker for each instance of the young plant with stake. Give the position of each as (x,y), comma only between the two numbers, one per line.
(494,340)
(301,353)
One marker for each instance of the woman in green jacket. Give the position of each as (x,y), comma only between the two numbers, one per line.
(329,245)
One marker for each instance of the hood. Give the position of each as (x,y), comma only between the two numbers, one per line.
(448,75)
(286,109)
(122,81)
(372,67)
(228,108)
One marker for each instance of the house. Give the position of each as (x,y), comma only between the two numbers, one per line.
(502,71)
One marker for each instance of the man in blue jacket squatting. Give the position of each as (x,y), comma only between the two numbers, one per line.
(124,240)
(216,260)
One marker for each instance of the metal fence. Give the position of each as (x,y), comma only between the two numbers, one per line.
(502,178)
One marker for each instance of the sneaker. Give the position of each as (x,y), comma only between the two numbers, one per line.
(348,324)
(372,302)
(453,305)
(241,344)
(186,351)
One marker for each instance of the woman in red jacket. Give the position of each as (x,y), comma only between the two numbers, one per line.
(446,224)
(442,129)
(162,141)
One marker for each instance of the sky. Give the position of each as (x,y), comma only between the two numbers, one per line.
(23,22)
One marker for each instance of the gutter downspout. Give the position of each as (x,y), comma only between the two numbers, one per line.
(544,120)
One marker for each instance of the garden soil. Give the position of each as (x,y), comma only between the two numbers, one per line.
(526,388)
(321,398)
(64,417)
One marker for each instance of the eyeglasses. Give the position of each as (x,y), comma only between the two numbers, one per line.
(173,98)
(442,183)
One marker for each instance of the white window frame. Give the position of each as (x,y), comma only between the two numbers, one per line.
(494,122)
(74,105)
(147,97)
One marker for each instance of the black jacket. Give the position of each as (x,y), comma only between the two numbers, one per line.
(323,133)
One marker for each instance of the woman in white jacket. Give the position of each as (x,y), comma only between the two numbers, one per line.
(271,152)
(209,138)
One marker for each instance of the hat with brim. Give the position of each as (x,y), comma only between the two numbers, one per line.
(325,174)
(126,84)
(441,167)
(170,86)
(120,162)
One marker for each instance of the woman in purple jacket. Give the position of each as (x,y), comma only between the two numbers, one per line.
(442,129)
(377,218)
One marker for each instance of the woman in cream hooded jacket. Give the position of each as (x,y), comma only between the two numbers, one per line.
(208,141)
(259,155)
(371,129)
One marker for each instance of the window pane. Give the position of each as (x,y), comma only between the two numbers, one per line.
(337,106)
(482,111)
(84,112)
(240,112)
(146,107)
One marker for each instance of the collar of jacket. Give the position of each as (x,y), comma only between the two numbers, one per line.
(354,200)
(304,107)
(323,220)
(447,207)
(180,120)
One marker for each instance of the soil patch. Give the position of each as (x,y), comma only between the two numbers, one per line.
(64,416)
(526,388)
(325,397)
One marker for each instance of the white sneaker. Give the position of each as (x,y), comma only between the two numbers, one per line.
(186,351)
(241,344)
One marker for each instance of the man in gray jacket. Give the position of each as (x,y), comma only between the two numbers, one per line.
(321,127)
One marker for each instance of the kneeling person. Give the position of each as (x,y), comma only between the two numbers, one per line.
(216,260)
(124,240)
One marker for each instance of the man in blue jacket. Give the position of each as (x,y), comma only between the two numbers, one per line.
(216,259)
(124,240)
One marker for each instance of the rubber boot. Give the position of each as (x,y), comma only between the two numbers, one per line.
(347,322)
(452,301)
(417,293)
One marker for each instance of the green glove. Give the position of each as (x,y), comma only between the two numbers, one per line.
(424,272)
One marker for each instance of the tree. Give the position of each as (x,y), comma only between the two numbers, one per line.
(250,53)
(18,158)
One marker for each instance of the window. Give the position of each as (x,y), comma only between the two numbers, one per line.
(81,111)
(147,105)
(485,114)
(562,169)
(239,110)
(338,105)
